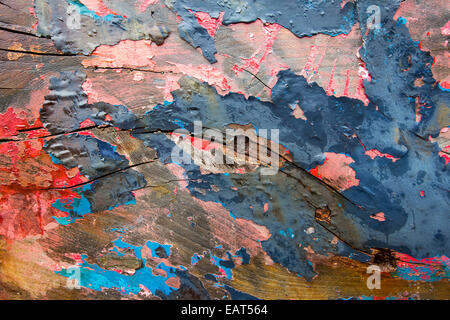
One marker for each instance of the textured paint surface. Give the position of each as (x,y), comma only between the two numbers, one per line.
(93,94)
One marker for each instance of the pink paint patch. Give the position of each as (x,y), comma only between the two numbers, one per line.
(98,6)
(126,53)
(373,153)
(173,282)
(90,92)
(206,73)
(236,233)
(145,3)
(378,216)
(266,207)
(171,84)
(210,24)
(138,76)
(344,2)
(180,173)
(422,193)
(445,154)
(336,171)
(76,257)
(445,30)
(253,63)
(443,141)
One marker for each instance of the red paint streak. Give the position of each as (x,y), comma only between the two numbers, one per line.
(330,91)
(210,24)
(435,261)
(347,83)
(310,69)
(422,193)
(309,65)
(336,171)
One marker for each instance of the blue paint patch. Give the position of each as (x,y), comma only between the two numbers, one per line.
(155,245)
(195,259)
(96,278)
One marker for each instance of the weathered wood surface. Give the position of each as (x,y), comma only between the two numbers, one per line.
(36,249)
